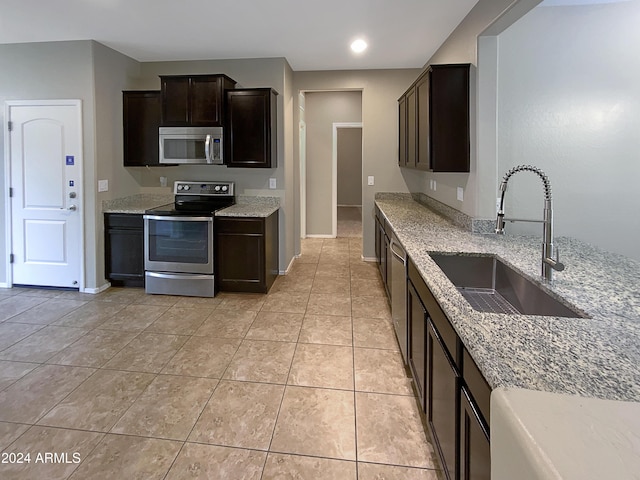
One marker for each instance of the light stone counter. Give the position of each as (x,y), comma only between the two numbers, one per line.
(136,204)
(251,207)
(246,206)
(594,357)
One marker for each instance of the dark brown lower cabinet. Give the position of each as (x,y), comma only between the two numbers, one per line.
(417,323)
(451,390)
(124,249)
(246,253)
(475,451)
(442,401)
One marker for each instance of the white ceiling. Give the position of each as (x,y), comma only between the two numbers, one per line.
(310,34)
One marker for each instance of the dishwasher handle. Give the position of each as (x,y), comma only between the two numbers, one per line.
(400,257)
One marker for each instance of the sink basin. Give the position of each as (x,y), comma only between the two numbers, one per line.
(491,286)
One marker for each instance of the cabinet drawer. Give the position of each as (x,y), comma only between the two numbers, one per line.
(239,225)
(439,319)
(123,220)
(477,385)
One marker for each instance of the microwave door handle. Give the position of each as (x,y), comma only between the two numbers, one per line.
(207,149)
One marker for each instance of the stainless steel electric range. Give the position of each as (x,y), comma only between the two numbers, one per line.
(178,239)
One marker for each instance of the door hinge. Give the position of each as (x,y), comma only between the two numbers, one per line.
(10,125)
(11,258)
(10,192)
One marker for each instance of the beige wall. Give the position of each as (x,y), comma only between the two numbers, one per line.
(380,92)
(322,110)
(349,151)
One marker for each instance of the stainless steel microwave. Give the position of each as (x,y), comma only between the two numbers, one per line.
(191,145)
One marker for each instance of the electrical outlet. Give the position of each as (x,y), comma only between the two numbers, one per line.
(163,181)
(272,183)
(434,186)
(370,180)
(460,194)
(103,185)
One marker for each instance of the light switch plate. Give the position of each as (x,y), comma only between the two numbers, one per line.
(272,183)
(370,180)
(103,185)
(460,194)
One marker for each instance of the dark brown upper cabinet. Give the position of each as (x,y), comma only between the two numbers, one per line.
(436,120)
(251,128)
(194,100)
(141,111)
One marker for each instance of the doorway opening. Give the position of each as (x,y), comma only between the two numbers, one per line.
(347,144)
(331,163)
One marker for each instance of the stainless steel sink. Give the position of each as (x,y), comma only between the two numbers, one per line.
(491,286)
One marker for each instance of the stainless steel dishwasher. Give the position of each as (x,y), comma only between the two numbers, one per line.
(399,293)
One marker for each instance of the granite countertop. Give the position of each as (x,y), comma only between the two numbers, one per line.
(251,207)
(136,204)
(593,357)
(246,206)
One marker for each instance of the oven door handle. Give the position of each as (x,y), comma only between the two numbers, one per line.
(178,276)
(178,218)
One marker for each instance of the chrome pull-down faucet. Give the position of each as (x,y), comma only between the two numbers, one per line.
(549,264)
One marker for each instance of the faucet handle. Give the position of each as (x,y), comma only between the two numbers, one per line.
(559,266)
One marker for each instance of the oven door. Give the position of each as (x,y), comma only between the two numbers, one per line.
(180,244)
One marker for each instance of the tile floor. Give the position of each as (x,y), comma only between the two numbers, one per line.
(305,382)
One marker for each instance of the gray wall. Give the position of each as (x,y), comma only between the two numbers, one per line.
(60,70)
(112,72)
(462,47)
(321,111)
(380,92)
(571,106)
(349,166)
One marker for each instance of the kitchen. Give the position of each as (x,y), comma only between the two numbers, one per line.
(84,61)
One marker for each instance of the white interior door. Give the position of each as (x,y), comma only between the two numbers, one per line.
(45,148)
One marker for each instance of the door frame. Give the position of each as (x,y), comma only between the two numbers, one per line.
(334,172)
(8,227)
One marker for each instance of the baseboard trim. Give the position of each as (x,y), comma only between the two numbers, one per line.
(285,272)
(5,285)
(100,289)
(369,259)
(320,236)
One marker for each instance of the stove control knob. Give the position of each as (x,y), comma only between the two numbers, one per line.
(217,188)
(187,187)
(224,188)
(180,187)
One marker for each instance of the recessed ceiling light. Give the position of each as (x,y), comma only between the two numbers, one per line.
(359,46)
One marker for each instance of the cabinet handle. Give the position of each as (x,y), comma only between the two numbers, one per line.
(396,254)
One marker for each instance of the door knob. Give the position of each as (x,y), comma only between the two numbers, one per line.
(73,208)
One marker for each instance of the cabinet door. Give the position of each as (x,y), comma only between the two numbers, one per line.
(423,154)
(206,101)
(417,322)
(251,135)
(240,254)
(411,127)
(141,112)
(124,250)
(442,401)
(402,131)
(475,450)
(175,101)
(449,103)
